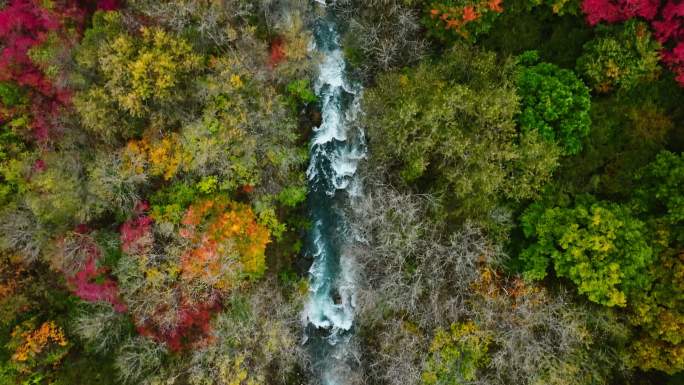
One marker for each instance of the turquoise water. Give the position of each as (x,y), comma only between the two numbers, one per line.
(335,151)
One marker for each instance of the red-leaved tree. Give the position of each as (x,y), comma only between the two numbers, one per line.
(27,24)
(89,281)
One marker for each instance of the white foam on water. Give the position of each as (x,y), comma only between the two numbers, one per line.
(335,152)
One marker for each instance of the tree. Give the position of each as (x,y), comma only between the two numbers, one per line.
(134,77)
(227,244)
(255,341)
(449,128)
(456,355)
(381,36)
(25,25)
(612,11)
(422,283)
(666,20)
(460,19)
(657,312)
(37,350)
(619,57)
(554,103)
(599,246)
(669,30)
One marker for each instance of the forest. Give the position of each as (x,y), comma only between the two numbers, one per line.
(516,216)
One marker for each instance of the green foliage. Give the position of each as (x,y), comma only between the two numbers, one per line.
(169,204)
(555,103)
(55,195)
(661,189)
(456,355)
(625,135)
(292,196)
(620,57)
(13,153)
(247,135)
(558,39)
(448,128)
(301,91)
(657,312)
(599,246)
(11,95)
(559,7)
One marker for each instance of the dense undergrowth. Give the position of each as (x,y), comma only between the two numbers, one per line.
(523,219)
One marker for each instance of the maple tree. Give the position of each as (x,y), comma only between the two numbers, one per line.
(25,25)
(34,33)
(227,244)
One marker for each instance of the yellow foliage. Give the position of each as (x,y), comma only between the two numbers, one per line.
(227,243)
(149,68)
(160,157)
(233,372)
(36,341)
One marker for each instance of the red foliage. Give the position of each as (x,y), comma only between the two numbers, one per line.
(670,25)
(91,283)
(667,23)
(675,60)
(136,233)
(193,327)
(277,52)
(613,11)
(39,165)
(25,24)
(87,288)
(108,5)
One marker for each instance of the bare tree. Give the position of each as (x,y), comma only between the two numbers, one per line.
(413,279)
(385,32)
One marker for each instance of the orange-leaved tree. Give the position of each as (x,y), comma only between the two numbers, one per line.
(227,245)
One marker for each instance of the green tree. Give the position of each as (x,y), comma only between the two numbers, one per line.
(456,355)
(448,128)
(599,246)
(620,57)
(657,312)
(554,102)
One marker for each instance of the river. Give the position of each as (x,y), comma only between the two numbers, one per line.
(335,151)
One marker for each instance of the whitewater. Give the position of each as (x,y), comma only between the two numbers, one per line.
(335,151)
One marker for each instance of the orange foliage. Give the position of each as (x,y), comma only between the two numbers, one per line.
(277,52)
(227,244)
(455,18)
(469,14)
(495,5)
(34,342)
(491,284)
(10,275)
